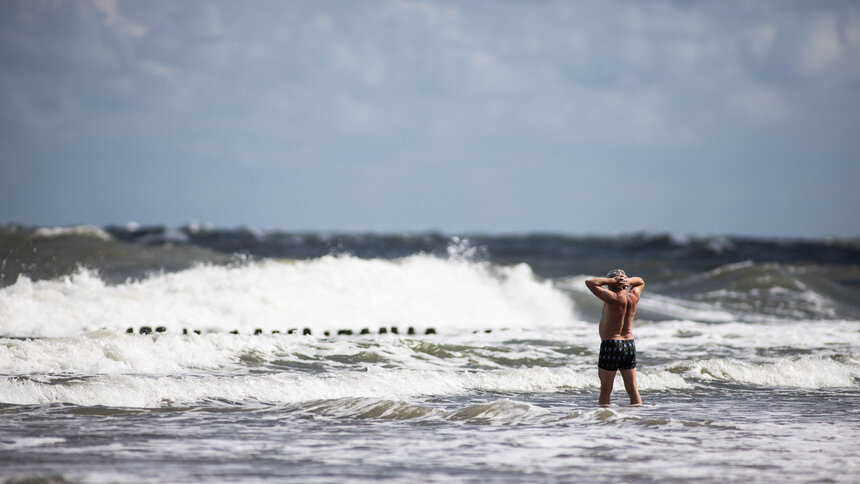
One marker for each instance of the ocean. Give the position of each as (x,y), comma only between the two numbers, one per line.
(204,354)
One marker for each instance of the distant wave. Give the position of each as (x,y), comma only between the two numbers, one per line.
(73,231)
(714,279)
(323,294)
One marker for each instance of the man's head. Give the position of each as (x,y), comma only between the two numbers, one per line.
(616,272)
(620,277)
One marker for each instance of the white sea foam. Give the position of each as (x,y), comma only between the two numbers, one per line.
(78,230)
(113,353)
(379,383)
(500,411)
(811,372)
(106,352)
(367,408)
(325,293)
(25,442)
(668,337)
(678,308)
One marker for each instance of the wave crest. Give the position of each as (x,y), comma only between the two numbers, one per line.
(327,293)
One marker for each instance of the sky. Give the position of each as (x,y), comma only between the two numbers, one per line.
(579,117)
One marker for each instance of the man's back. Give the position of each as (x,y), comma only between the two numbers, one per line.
(620,299)
(616,321)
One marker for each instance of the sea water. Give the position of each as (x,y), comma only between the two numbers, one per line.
(748,363)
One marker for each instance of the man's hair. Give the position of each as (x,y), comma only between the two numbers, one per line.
(616,272)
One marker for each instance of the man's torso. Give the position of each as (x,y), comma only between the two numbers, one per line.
(616,321)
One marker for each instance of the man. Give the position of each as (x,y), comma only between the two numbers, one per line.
(617,349)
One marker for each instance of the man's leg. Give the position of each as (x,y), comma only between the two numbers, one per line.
(607,378)
(629,377)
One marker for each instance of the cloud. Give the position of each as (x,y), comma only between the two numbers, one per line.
(442,21)
(115,20)
(822,47)
(158,70)
(759,103)
(363,63)
(353,116)
(214,26)
(762,39)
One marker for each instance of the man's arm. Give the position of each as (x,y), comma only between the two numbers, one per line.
(595,286)
(636,285)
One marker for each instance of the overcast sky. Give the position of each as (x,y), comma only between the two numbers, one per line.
(397,115)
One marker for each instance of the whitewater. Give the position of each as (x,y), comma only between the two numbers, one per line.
(419,358)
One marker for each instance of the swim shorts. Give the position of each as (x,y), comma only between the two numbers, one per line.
(617,354)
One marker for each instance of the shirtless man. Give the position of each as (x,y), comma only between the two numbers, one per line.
(617,349)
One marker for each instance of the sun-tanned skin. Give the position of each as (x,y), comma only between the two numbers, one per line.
(620,298)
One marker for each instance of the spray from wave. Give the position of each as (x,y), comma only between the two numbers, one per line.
(327,293)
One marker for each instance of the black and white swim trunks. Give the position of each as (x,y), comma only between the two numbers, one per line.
(617,354)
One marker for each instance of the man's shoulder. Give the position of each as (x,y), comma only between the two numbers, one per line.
(617,299)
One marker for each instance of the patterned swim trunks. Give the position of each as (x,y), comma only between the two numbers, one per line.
(617,354)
